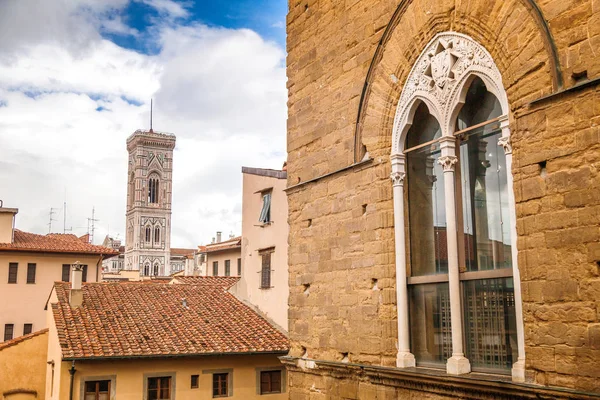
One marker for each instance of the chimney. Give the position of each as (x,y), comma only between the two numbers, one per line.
(7,223)
(76,296)
(218,237)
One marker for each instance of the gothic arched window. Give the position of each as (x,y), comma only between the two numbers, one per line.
(148,231)
(153,188)
(146,271)
(155,270)
(157,234)
(460,305)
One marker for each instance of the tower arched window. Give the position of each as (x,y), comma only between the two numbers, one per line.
(148,232)
(156,234)
(146,271)
(459,301)
(156,267)
(153,189)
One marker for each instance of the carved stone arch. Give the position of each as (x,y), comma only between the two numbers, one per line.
(483,25)
(439,77)
(404,122)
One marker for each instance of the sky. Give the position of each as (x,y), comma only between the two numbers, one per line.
(76,79)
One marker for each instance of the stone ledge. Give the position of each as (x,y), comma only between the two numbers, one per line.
(480,386)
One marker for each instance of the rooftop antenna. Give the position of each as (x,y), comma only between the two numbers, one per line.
(65,229)
(52,211)
(91,223)
(151,115)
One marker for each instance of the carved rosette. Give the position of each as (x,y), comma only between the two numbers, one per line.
(439,73)
(506,145)
(397,178)
(447,162)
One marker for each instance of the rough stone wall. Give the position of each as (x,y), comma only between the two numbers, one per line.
(341,255)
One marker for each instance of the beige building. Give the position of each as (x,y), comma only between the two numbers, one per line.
(23,367)
(224,257)
(444,199)
(29,266)
(264,281)
(188,340)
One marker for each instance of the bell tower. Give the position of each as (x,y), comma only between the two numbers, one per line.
(149,191)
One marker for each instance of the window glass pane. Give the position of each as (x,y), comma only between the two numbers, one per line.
(152,383)
(427,213)
(152,394)
(430,328)
(103,386)
(490,323)
(424,128)
(480,106)
(90,387)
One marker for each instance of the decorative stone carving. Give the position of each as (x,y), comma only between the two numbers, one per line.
(397,178)
(439,75)
(506,145)
(447,162)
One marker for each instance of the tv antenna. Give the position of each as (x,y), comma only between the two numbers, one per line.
(51,214)
(92,225)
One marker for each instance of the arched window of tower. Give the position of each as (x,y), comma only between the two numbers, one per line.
(153,185)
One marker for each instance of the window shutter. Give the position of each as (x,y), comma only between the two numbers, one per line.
(266,270)
(265,214)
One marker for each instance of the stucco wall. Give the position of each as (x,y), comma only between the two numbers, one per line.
(220,256)
(23,366)
(256,236)
(23,303)
(130,376)
(341,226)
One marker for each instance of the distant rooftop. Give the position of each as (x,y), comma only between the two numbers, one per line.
(54,243)
(273,173)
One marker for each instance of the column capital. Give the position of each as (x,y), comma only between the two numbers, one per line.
(447,162)
(504,141)
(397,178)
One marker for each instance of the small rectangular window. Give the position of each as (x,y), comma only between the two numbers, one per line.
(215,268)
(84,273)
(13,270)
(221,385)
(31,273)
(265,213)
(270,382)
(8,331)
(239,266)
(27,328)
(66,272)
(227,268)
(159,388)
(194,382)
(265,273)
(97,390)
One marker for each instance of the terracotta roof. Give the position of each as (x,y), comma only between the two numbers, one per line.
(20,339)
(132,320)
(181,252)
(233,243)
(53,243)
(202,249)
(224,282)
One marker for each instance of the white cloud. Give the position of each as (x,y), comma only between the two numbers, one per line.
(168,8)
(222,92)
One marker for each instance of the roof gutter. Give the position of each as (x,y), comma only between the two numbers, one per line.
(243,353)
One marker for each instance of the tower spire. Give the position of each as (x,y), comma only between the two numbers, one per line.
(151,101)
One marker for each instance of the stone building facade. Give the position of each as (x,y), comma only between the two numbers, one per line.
(479,258)
(149,193)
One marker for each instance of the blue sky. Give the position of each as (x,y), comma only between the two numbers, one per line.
(266,17)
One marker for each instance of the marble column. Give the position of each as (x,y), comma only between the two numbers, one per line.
(404,358)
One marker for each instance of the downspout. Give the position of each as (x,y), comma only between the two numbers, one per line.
(98,266)
(72,373)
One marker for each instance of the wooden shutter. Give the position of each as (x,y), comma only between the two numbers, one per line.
(265,281)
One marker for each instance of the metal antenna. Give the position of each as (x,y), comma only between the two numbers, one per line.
(52,211)
(92,221)
(151,114)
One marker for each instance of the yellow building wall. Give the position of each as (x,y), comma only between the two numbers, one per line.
(129,383)
(23,303)
(23,366)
